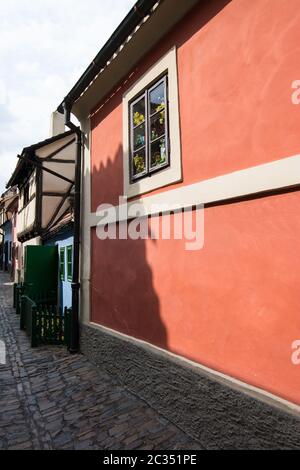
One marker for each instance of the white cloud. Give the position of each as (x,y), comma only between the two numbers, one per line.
(45,45)
(3,93)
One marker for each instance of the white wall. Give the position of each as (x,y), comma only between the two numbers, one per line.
(26,217)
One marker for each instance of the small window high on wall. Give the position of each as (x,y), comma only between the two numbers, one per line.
(149,131)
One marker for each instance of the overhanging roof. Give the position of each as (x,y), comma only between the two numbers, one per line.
(143,27)
(132,19)
(45,142)
(23,167)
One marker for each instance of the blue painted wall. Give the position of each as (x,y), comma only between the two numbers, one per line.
(63,239)
(7,260)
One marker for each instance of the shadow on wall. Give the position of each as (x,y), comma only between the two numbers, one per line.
(123,296)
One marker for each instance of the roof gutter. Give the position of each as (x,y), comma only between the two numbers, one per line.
(141,9)
(74,327)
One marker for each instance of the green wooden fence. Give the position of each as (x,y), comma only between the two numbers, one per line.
(40,297)
(44,323)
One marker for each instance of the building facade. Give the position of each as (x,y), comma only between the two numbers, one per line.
(8,221)
(45,179)
(195,118)
(191,111)
(7,246)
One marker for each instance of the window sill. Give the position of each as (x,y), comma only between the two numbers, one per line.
(166,177)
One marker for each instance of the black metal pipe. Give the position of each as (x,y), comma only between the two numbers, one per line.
(141,9)
(74,340)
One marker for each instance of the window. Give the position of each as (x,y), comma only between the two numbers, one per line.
(149,145)
(62,264)
(69,263)
(151,129)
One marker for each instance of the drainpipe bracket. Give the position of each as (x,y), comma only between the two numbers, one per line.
(75,285)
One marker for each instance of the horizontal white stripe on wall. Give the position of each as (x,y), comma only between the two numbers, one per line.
(279,174)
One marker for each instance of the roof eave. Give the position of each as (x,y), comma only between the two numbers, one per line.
(15,178)
(123,61)
(141,9)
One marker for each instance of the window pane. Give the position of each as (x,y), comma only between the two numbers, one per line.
(139,137)
(158,153)
(158,125)
(69,254)
(69,262)
(62,264)
(138,112)
(157,98)
(139,163)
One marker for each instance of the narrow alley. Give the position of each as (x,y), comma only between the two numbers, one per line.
(52,400)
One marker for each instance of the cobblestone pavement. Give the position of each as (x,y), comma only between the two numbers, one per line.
(52,400)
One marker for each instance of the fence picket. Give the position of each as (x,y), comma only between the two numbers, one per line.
(44,323)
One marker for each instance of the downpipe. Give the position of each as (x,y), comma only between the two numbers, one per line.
(74,327)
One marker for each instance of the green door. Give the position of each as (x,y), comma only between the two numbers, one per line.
(41,272)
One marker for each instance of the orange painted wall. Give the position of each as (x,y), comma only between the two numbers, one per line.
(236,64)
(235,305)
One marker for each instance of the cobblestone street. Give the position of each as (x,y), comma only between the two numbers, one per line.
(52,400)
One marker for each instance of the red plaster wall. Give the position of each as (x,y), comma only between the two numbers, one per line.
(235,305)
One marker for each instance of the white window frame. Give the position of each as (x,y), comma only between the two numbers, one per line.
(173,173)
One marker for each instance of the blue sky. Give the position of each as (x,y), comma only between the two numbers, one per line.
(45,45)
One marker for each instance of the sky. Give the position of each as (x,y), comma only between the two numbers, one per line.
(45,46)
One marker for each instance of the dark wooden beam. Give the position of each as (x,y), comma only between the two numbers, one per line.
(58,160)
(39,190)
(47,230)
(52,220)
(53,194)
(37,164)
